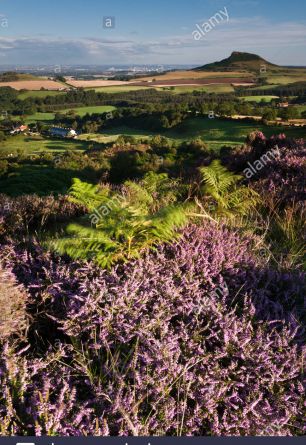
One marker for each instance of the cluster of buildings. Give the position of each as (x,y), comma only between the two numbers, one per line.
(59,132)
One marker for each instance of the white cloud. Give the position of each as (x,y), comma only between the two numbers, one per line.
(279,42)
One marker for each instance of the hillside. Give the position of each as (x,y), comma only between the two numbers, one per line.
(238,61)
(12,76)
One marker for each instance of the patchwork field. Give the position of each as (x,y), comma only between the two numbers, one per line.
(245,81)
(118,89)
(95,83)
(188,74)
(174,78)
(204,88)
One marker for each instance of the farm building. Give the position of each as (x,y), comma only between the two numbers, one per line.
(62,132)
(19,129)
(283,104)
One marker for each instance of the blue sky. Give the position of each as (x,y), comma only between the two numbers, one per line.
(149,32)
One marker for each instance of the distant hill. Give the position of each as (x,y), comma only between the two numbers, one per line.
(12,76)
(238,61)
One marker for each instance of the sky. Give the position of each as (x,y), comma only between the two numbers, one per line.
(36,32)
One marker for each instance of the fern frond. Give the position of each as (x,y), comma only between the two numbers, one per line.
(243,199)
(167,220)
(130,224)
(223,186)
(88,195)
(84,242)
(218,178)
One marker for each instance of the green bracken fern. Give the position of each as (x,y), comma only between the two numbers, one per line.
(119,226)
(228,196)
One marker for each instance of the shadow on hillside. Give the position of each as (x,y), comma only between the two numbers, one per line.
(223,130)
(73,145)
(43,180)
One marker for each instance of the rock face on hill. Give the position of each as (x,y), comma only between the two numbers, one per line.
(238,61)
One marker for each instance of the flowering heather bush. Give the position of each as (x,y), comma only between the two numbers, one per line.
(28,212)
(35,401)
(183,341)
(282,176)
(13,300)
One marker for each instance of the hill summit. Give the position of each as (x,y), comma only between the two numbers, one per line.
(238,61)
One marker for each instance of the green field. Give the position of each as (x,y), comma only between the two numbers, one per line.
(44,117)
(40,94)
(301,107)
(101,138)
(263,87)
(214,131)
(283,79)
(117,89)
(258,98)
(203,88)
(81,111)
(175,90)
(38,144)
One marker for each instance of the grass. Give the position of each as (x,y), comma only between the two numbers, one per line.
(283,79)
(101,138)
(43,117)
(39,94)
(203,88)
(258,98)
(117,89)
(263,87)
(301,108)
(38,144)
(80,111)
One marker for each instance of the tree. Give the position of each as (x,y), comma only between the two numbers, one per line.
(126,139)
(3,167)
(197,147)
(226,109)
(290,113)
(159,141)
(270,114)
(60,79)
